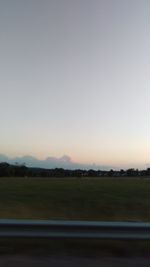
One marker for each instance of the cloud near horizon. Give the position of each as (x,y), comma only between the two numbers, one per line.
(51,162)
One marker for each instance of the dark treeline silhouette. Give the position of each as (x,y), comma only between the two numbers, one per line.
(8,170)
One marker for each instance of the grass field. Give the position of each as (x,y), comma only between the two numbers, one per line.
(73,198)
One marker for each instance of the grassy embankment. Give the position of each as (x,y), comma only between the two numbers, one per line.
(81,199)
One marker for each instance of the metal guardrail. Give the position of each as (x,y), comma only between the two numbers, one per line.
(74,229)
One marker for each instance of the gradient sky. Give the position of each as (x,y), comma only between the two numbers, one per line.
(75,80)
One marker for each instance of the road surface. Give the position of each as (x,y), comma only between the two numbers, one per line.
(67,261)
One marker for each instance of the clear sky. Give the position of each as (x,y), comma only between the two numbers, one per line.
(75,80)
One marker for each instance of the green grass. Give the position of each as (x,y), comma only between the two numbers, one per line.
(78,199)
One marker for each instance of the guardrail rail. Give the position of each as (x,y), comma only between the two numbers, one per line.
(74,229)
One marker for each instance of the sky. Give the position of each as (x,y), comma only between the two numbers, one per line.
(75,80)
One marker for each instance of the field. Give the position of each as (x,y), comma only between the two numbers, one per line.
(75,198)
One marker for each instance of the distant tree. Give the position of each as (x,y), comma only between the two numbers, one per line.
(111,173)
(4,169)
(148,171)
(92,173)
(122,172)
(131,172)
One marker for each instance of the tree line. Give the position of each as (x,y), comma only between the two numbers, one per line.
(8,170)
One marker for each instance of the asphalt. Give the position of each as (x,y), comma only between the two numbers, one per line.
(67,261)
